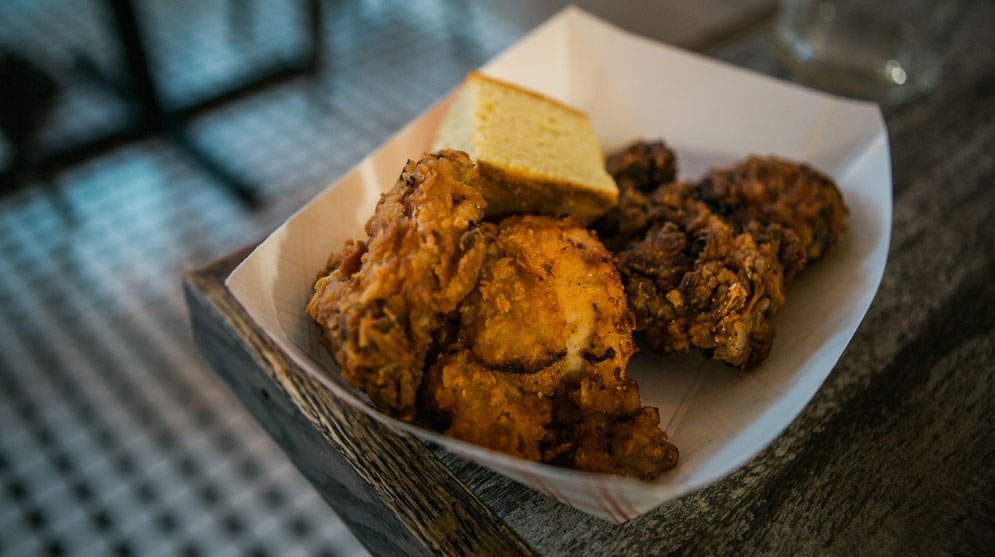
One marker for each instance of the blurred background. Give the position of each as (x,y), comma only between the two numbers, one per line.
(141,139)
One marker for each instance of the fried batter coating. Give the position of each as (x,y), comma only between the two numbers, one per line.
(538,366)
(638,170)
(692,281)
(380,302)
(704,265)
(774,191)
(643,166)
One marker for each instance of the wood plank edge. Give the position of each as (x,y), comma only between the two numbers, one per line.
(430,506)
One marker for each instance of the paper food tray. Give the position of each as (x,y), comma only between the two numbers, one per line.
(711,114)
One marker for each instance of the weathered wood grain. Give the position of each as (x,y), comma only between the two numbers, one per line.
(894,455)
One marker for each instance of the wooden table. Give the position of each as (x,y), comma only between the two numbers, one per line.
(895,452)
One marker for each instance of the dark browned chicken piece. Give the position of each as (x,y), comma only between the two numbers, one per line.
(692,281)
(774,191)
(638,170)
(705,265)
(537,368)
(643,166)
(380,302)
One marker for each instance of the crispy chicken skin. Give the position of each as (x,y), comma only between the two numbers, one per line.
(692,281)
(537,365)
(704,265)
(380,302)
(773,191)
(643,166)
(637,170)
(521,328)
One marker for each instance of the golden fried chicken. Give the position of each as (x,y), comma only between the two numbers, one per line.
(380,302)
(704,265)
(536,366)
(522,326)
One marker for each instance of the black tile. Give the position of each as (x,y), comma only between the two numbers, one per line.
(123,549)
(54,548)
(209,495)
(105,439)
(226,442)
(204,416)
(188,467)
(249,469)
(35,519)
(125,464)
(233,525)
(82,491)
(146,493)
(16,490)
(62,463)
(300,527)
(102,520)
(168,522)
(166,440)
(44,436)
(274,497)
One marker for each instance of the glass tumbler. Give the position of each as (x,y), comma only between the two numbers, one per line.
(887,52)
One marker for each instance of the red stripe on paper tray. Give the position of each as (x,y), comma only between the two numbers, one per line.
(615,509)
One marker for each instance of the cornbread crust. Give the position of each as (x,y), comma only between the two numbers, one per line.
(558,168)
(520,89)
(511,193)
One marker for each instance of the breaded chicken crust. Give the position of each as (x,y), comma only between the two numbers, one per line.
(537,364)
(705,265)
(523,326)
(769,190)
(380,301)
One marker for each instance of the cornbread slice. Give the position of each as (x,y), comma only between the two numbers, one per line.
(534,154)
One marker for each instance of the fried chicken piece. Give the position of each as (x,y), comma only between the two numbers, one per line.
(643,166)
(379,303)
(773,191)
(692,281)
(638,170)
(537,368)
(704,265)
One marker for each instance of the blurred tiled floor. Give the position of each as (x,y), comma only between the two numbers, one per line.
(115,438)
